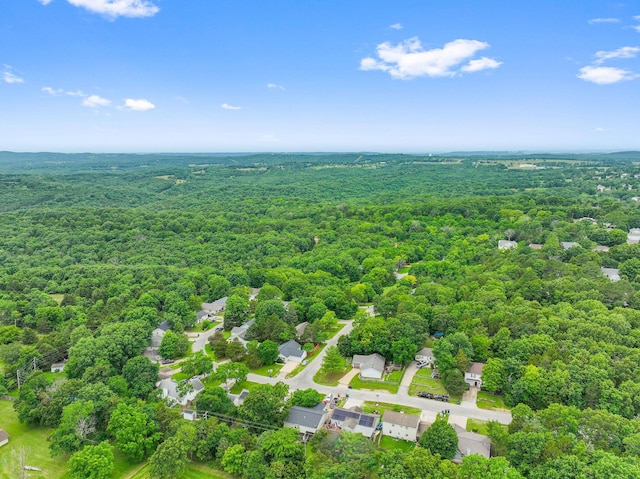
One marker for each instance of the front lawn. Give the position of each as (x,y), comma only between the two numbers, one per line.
(357,383)
(271,370)
(300,367)
(422,382)
(199,329)
(238,387)
(390,444)
(487,400)
(477,425)
(381,407)
(333,331)
(330,379)
(34,441)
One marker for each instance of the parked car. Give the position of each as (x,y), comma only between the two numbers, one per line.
(424,394)
(422,364)
(167,361)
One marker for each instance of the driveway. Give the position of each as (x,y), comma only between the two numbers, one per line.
(346,379)
(469,397)
(411,371)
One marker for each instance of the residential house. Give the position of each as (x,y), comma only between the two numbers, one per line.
(425,354)
(238,399)
(240,332)
(535,246)
(633,237)
(471,443)
(505,244)
(300,328)
(371,366)
(157,335)
(307,419)
(612,273)
(291,351)
(354,420)
(601,249)
(217,307)
(601,188)
(400,426)
(4,437)
(473,377)
(201,316)
(58,367)
(569,244)
(169,388)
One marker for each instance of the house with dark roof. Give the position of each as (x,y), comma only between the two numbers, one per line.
(240,331)
(473,377)
(354,420)
(157,335)
(400,426)
(471,443)
(371,366)
(307,419)
(291,351)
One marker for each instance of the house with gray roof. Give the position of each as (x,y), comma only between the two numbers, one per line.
(425,354)
(354,420)
(612,273)
(58,367)
(4,437)
(471,443)
(371,366)
(157,335)
(217,307)
(291,351)
(169,389)
(506,244)
(400,426)
(473,377)
(307,419)
(569,244)
(240,331)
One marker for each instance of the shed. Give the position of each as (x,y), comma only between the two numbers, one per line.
(4,437)
(58,367)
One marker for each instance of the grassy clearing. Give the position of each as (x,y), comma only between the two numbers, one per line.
(489,401)
(195,470)
(477,425)
(333,331)
(300,367)
(271,370)
(238,387)
(382,407)
(57,298)
(34,440)
(390,444)
(357,383)
(330,379)
(422,382)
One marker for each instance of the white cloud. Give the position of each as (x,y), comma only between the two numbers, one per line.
(637,27)
(95,101)
(45,2)
(51,91)
(480,64)
(623,52)
(396,26)
(75,93)
(275,86)
(600,130)
(138,105)
(605,75)
(9,77)
(226,106)
(409,59)
(118,8)
(603,20)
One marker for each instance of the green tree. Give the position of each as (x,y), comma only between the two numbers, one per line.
(215,400)
(268,352)
(134,430)
(174,345)
(404,351)
(235,371)
(332,362)
(78,422)
(235,350)
(440,438)
(454,383)
(236,312)
(233,459)
(141,376)
(493,376)
(199,363)
(307,397)
(265,404)
(92,462)
(172,456)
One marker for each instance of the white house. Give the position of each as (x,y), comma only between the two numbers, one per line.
(291,351)
(425,354)
(371,366)
(633,236)
(169,388)
(505,244)
(400,426)
(569,244)
(473,377)
(58,367)
(307,419)
(612,273)
(216,307)
(189,414)
(157,335)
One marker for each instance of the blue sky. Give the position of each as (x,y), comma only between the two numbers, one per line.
(319,75)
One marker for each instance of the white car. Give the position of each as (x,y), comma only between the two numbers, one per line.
(422,364)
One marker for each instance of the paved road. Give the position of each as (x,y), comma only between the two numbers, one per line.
(202,339)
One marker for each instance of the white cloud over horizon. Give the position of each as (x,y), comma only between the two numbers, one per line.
(226,106)
(603,20)
(9,77)
(409,59)
(605,75)
(95,101)
(116,8)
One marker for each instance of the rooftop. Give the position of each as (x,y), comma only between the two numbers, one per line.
(401,419)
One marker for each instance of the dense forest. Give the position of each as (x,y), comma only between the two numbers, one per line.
(98,250)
